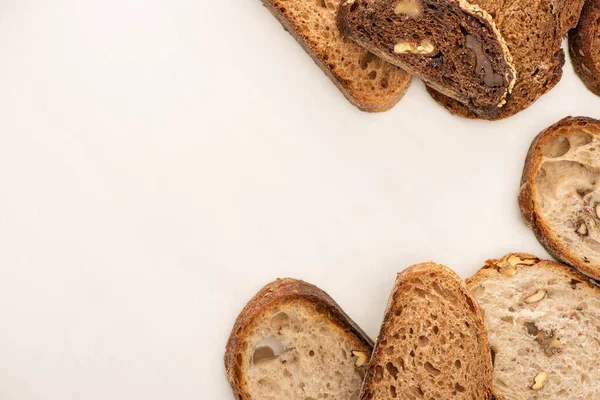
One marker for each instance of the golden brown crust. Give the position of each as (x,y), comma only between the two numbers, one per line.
(283,291)
(360,100)
(529,207)
(584,46)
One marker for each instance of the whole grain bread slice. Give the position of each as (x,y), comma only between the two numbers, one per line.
(584,46)
(543,322)
(560,192)
(450,44)
(367,82)
(533,30)
(432,343)
(292,341)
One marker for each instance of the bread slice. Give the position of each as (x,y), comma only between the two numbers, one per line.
(584,46)
(533,31)
(432,344)
(366,81)
(543,321)
(450,44)
(292,341)
(560,192)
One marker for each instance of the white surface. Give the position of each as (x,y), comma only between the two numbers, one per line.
(161,160)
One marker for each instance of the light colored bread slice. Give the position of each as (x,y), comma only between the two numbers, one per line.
(560,192)
(450,44)
(293,342)
(584,46)
(432,344)
(368,82)
(543,320)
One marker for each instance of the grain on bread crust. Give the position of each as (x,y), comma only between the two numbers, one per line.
(450,44)
(560,192)
(432,343)
(367,82)
(543,320)
(533,31)
(285,296)
(584,46)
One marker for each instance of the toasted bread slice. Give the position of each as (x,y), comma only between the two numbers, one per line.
(560,192)
(432,344)
(450,44)
(584,46)
(533,31)
(292,341)
(543,321)
(367,82)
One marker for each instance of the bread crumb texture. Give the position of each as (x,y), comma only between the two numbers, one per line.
(543,349)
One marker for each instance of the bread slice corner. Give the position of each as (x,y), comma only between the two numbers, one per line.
(292,341)
(584,46)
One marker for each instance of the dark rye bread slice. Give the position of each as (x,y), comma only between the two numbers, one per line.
(560,192)
(432,343)
(543,322)
(584,46)
(533,30)
(450,44)
(367,82)
(292,341)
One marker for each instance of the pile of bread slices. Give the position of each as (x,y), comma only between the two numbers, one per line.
(520,328)
(489,60)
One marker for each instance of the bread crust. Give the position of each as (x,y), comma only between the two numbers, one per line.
(358,99)
(283,291)
(529,207)
(402,279)
(584,43)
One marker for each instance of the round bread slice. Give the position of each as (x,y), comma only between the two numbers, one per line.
(584,46)
(560,192)
(432,343)
(533,31)
(292,341)
(543,322)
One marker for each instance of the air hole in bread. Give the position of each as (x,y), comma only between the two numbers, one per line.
(393,392)
(493,353)
(392,370)
(556,146)
(531,328)
(268,349)
(423,341)
(459,387)
(280,321)
(457,364)
(378,373)
(431,369)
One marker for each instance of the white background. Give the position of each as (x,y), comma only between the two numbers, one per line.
(160,161)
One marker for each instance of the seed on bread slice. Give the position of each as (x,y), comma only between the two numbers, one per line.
(533,32)
(292,341)
(560,192)
(543,322)
(584,46)
(450,44)
(367,82)
(432,343)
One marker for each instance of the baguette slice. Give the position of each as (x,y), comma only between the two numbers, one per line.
(584,46)
(560,192)
(533,31)
(451,45)
(543,320)
(366,81)
(292,341)
(432,344)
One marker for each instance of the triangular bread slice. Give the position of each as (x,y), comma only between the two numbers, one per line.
(584,46)
(292,341)
(451,45)
(560,192)
(367,82)
(543,321)
(533,33)
(432,343)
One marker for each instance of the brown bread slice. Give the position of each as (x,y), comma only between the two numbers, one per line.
(432,343)
(533,30)
(543,320)
(584,46)
(450,44)
(560,192)
(367,82)
(292,341)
